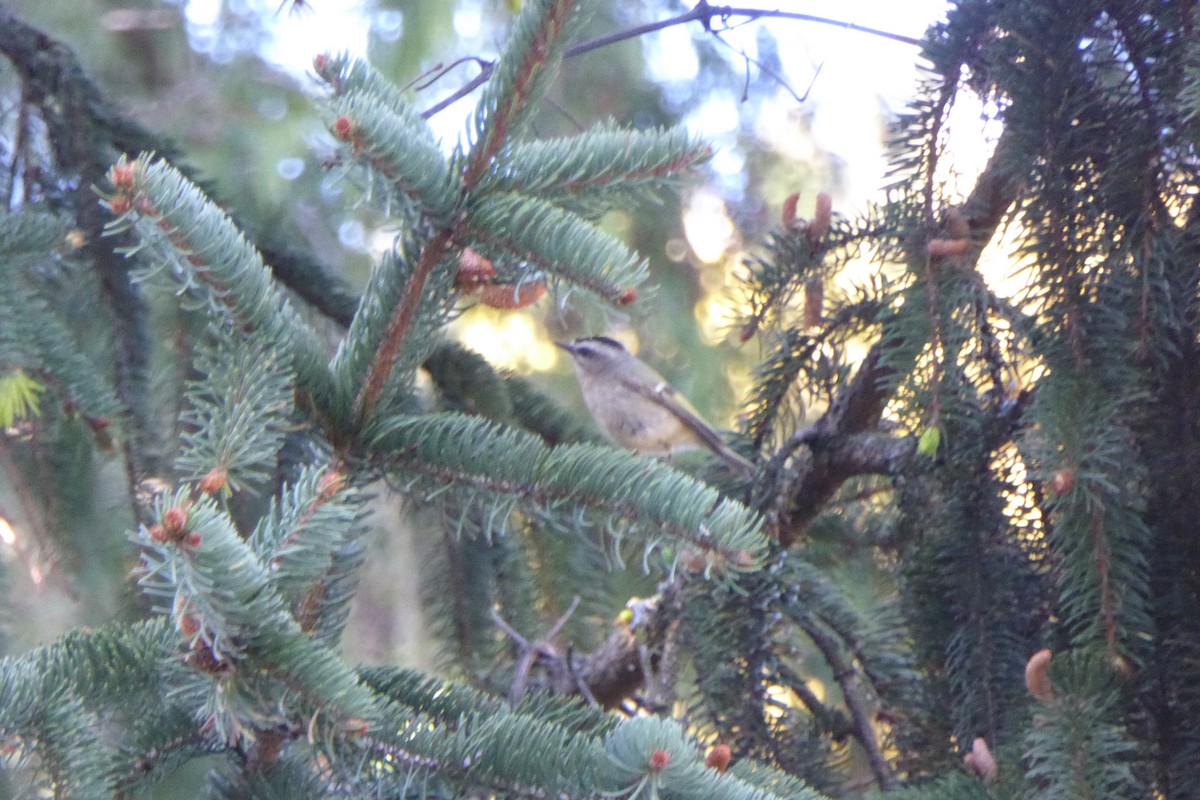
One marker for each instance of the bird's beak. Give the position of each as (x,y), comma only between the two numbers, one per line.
(570,348)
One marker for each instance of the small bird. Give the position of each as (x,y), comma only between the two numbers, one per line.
(636,407)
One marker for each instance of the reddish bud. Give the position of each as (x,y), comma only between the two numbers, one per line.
(821,218)
(748,330)
(1063,481)
(718,757)
(75,239)
(144,207)
(343,128)
(120,204)
(659,760)
(214,481)
(474,270)
(693,560)
(191,540)
(743,560)
(98,424)
(157,533)
(788,213)
(1037,675)
(330,484)
(944,248)
(507,296)
(175,520)
(981,761)
(320,61)
(628,296)
(355,726)
(121,175)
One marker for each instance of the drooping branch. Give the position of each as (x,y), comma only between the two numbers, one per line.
(85,127)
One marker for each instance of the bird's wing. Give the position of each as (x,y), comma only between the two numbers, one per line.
(677,404)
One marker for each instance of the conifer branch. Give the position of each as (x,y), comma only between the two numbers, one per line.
(473,452)
(89,132)
(557,242)
(401,148)
(210,254)
(530,59)
(598,168)
(434,251)
(233,618)
(859,405)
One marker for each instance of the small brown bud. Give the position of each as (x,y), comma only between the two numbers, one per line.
(944,248)
(120,204)
(507,296)
(659,760)
(1063,481)
(693,560)
(215,481)
(175,520)
(121,175)
(822,216)
(343,128)
(628,296)
(718,757)
(158,533)
(474,270)
(330,484)
(956,224)
(788,212)
(1037,675)
(203,659)
(75,239)
(981,761)
(185,621)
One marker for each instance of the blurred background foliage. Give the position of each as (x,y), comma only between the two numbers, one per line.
(789,107)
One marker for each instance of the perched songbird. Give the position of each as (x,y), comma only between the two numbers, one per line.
(636,407)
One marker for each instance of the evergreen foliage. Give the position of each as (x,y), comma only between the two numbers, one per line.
(1004,471)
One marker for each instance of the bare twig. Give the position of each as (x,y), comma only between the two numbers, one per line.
(530,652)
(702,12)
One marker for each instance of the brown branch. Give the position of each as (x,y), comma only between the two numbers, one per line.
(435,249)
(847,677)
(702,12)
(844,441)
(401,320)
(612,673)
(550,29)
